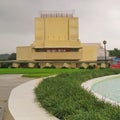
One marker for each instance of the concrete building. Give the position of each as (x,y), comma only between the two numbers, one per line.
(56,41)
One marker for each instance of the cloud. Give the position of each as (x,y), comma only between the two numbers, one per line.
(98,20)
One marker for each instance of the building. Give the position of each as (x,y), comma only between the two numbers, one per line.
(57,42)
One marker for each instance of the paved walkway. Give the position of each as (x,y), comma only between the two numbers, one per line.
(7,83)
(23,106)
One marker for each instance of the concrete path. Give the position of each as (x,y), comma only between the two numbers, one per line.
(23,106)
(7,83)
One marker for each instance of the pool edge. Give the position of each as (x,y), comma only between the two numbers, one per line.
(88,86)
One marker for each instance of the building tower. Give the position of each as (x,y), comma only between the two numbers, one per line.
(56,38)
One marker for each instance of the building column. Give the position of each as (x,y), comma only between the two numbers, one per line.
(15,65)
(42,65)
(85,65)
(66,65)
(58,65)
(31,65)
(72,65)
(103,65)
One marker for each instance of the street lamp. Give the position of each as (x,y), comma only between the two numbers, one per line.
(105,42)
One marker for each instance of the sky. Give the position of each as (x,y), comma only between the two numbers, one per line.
(98,20)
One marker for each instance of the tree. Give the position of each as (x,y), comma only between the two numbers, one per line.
(12,56)
(115,52)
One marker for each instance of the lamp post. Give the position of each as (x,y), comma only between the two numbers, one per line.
(105,42)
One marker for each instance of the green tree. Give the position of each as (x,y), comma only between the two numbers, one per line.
(12,56)
(115,52)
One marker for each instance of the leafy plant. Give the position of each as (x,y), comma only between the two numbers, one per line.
(64,97)
(81,67)
(91,67)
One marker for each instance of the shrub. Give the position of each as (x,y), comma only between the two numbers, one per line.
(53,66)
(102,67)
(81,67)
(91,67)
(64,97)
(5,65)
(64,67)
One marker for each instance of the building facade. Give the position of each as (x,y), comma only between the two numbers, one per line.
(57,40)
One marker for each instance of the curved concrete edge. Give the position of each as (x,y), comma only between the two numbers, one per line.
(88,86)
(22,104)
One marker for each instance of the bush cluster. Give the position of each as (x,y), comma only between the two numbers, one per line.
(64,97)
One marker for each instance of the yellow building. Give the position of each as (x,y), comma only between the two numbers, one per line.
(57,39)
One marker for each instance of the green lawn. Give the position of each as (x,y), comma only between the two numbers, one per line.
(64,97)
(35,72)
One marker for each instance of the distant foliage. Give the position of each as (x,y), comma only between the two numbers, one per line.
(4,57)
(115,52)
(12,56)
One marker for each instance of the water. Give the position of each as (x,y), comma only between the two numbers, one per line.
(109,88)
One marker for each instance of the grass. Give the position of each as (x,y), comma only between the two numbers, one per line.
(34,72)
(64,97)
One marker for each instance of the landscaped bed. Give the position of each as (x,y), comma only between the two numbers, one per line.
(64,97)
